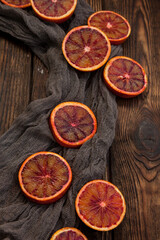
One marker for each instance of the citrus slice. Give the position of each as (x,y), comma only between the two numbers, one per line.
(100,205)
(54,10)
(125,77)
(86,48)
(68,233)
(72,123)
(116,27)
(44,177)
(17,3)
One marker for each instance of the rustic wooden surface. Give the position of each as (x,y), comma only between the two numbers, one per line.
(134,161)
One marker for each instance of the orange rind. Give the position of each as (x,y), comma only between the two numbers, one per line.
(115,26)
(17,3)
(100,205)
(68,233)
(72,123)
(44,177)
(54,10)
(86,48)
(125,77)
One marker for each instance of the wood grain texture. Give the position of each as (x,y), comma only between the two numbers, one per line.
(134,161)
(135,153)
(15,62)
(39,79)
(95,4)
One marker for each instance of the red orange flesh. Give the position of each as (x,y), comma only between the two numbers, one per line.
(86,48)
(125,77)
(115,26)
(44,177)
(100,205)
(17,3)
(54,10)
(72,123)
(68,233)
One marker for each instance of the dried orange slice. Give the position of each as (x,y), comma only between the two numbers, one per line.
(68,233)
(86,48)
(17,3)
(54,10)
(72,123)
(100,205)
(125,77)
(116,27)
(44,177)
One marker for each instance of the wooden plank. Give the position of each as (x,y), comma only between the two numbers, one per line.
(95,4)
(15,62)
(135,154)
(39,79)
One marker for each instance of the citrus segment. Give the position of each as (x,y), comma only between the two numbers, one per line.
(68,234)
(125,77)
(112,24)
(44,177)
(100,205)
(86,48)
(17,3)
(54,10)
(72,123)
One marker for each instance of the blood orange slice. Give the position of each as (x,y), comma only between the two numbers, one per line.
(100,205)
(54,10)
(44,177)
(68,234)
(116,27)
(72,123)
(86,48)
(17,3)
(125,77)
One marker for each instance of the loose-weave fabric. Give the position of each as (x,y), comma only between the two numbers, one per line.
(21,219)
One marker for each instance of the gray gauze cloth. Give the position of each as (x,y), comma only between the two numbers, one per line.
(21,219)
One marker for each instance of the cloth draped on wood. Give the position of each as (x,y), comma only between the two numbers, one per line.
(21,219)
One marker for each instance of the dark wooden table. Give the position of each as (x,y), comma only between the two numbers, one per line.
(134,161)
